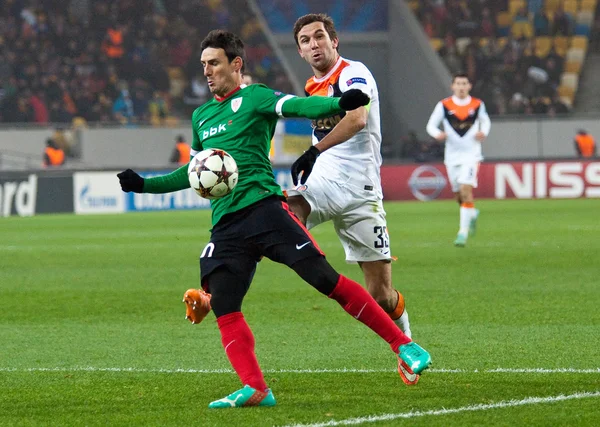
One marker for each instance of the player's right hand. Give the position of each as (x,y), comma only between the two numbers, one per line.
(441,137)
(131,181)
(353,98)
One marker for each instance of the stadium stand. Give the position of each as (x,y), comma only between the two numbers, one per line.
(524,56)
(127,61)
(348,15)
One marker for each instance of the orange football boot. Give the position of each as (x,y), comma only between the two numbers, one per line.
(197,305)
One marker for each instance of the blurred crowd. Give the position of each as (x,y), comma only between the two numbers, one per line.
(507,71)
(126,61)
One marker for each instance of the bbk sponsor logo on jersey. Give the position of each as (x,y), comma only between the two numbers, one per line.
(426,182)
(236,104)
(214,130)
(18,196)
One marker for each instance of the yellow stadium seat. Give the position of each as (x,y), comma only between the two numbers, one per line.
(521,29)
(175,73)
(569,80)
(561,44)
(579,42)
(568,101)
(515,5)
(588,5)
(542,46)
(565,91)
(571,7)
(436,43)
(573,67)
(551,5)
(503,19)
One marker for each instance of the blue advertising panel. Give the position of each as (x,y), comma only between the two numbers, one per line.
(179,200)
(184,199)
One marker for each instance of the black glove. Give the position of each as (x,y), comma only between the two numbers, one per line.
(131,181)
(353,98)
(304,164)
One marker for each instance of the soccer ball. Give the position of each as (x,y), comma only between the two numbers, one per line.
(213,173)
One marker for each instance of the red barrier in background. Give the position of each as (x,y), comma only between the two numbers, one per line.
(498,180)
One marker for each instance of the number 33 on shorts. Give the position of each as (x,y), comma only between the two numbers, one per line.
(382,238)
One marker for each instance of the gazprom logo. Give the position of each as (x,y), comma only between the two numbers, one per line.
(213,131)
(95,201)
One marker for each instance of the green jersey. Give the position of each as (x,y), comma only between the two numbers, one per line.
(243,123)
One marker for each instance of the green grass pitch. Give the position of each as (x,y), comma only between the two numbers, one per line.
(92,328)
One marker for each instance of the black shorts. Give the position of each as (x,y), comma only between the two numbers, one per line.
(266,228)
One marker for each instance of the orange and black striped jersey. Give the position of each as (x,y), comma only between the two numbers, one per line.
(461,120)
(358,159)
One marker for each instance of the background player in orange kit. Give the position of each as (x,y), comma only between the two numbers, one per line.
(466,125)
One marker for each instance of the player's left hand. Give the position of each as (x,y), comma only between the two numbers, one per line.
(353,98)
(305,164)
(131,181)
(480,136)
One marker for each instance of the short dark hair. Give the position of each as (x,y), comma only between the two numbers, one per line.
(460,75)
(315,17)
(229,42)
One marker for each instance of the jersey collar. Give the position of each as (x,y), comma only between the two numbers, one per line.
(227,95)
(326,76)
(461,102)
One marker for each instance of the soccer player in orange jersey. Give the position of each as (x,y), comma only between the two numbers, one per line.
(466,125)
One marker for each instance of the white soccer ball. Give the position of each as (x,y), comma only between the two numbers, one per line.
(213,173)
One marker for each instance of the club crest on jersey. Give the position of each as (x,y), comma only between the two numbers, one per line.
(471,112)
(236,104)
(330,91)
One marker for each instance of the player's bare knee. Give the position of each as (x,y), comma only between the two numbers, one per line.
(300,207)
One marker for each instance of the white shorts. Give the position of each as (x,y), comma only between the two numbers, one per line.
(357,214)
(463,173)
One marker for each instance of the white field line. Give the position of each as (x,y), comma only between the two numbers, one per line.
(447,411)
(307,371)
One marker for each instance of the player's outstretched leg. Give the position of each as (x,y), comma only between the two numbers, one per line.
(357,302)
(413,359)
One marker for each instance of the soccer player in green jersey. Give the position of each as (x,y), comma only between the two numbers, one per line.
(255,221)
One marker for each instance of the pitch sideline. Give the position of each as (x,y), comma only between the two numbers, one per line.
(448,411)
